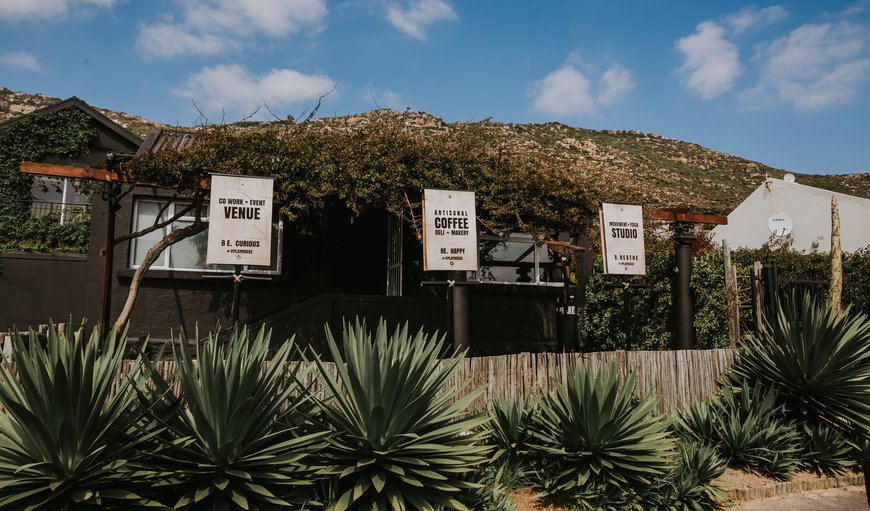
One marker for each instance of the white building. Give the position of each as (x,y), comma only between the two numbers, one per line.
(782,209)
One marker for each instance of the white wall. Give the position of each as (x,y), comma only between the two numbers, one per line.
(810,211)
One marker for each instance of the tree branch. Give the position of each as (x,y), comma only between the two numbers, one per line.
(160,225)
(153,253)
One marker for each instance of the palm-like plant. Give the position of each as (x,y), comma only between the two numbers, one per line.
(747,428)
(690,486)
(510,431)
(64,429)
(825,451)
(593,433)
(817,359)
(402,440)
(230,440)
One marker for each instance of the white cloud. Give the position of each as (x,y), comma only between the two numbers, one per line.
(233,89)
(20,60)
(751,17)
(384,98)
(16,10)
(416,16)
(712,64)
(166,40)
(613,85)
(206,27)
(568,91)
(812,67)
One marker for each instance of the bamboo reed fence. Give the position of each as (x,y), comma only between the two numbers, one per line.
(677,377)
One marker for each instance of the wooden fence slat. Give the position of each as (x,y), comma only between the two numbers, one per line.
(677,378)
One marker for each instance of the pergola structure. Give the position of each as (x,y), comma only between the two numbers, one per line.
(682,225)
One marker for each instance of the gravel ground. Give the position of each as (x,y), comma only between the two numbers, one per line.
(851,498)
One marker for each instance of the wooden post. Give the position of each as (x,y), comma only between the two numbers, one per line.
(731,296)
(758,296)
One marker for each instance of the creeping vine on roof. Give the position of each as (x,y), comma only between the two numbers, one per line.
(380,162)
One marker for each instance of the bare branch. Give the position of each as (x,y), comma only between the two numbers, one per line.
(124,193)
(160,225)
(252,114)
(200,115)
(314,110)
(273,113)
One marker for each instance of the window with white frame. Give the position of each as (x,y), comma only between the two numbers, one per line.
(189,253)
(515,258)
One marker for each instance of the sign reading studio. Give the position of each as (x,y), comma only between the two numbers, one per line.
(450,232)
(622,239)
(240,220)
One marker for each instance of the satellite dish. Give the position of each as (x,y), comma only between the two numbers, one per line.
(788,177)
(780,224)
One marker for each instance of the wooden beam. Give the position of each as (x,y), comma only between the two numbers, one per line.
(671,216)
(49,169)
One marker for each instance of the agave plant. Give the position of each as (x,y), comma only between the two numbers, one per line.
(697,423)
(825,451)
(65,441)
(817,359)
(691,485)
(595,435)
(402,438)
(510,430)
(747,428)
(230,439)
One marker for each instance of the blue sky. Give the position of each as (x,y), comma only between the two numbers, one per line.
(786,84)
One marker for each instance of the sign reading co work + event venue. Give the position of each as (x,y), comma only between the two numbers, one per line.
(240,220)
(450,232)
(622,239)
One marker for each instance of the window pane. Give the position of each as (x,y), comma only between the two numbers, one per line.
(277,244)
(508,260)
(188,253)
(146,213)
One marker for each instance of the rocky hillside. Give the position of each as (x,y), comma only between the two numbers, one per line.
(628,166)
(14,104)
(636,167)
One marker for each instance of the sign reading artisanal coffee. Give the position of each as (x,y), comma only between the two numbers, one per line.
(622,239)
(450,232)
(240,220)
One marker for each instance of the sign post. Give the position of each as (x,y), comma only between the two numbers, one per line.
(623,252)
(450,232)
(622,239)
(450,244)
(240,226)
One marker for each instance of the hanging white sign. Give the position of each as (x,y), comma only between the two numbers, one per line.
(240,220)
(622,239)
(450,232)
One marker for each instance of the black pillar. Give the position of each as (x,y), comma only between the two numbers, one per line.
(459,309)
(684,328)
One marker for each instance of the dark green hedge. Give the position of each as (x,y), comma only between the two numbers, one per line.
(603,326)
(45,234)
